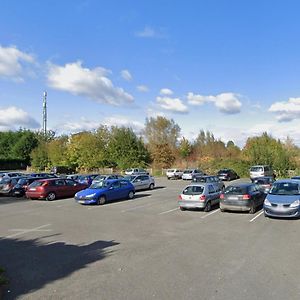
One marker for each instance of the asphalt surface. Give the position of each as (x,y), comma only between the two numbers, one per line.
(145,248)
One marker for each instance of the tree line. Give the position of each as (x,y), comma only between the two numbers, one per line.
(159,146)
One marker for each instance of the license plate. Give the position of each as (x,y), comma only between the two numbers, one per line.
(32,189)
(17,192)
(81,201)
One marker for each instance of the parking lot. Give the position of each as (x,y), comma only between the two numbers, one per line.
(145,248)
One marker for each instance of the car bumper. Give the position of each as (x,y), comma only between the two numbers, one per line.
(85,201)
(236,206)
(187,177)
(35,195)
(282,212)
(191,204)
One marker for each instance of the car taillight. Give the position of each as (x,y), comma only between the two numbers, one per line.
(246,197)
(179,197)
(222,196)
(202,198)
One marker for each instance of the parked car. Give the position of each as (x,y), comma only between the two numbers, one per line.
(43,175)
(210,179)
(174,174)
(296,177)
(6,185)
(261,171)
(73,176)
(86,179)
(227,174)
(136,171)
(199,195)
(20,188)
(107,177)
(242,197)
(283,199)
(265,183)
(188,174)
(53,188)
(105,191)
(141,182)
(11,174)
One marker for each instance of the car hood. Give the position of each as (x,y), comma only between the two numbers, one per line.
(282,199)
(87,192)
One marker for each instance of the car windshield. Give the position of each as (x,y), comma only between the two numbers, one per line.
(236,190)
(100,177)
(171,170)
(129,177)
(256,169)
(22,181)
(285,188)
(99,185)
(5,180)
(193,190)
(188,172)
(200,179)
(128,170)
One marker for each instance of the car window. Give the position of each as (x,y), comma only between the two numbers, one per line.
(193,190)
(211,189)
(256,169)
(70,182)
(236,190)
(116,185)
(124,183)
(285,188)
(59,182)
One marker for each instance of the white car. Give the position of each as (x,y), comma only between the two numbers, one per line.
(141,182)
(174,174)
(135,171)
(189,174)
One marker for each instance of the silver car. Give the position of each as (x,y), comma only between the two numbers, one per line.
(283,199)
(215,180)
(141,182)
(188,174)
(199,195)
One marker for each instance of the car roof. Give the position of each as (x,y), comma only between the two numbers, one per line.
(199,184)
(288,181)
(245,184)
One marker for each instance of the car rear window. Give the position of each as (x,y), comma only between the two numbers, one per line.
(236,190)
(257,169)
(5,180)
(193,190)
(285,188)
(187,171)
(22,181)
(36,184)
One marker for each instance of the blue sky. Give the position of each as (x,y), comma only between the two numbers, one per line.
(231,67)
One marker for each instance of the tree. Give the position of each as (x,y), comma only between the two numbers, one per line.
(185,148)
(57,150)
(162,156)
(39,156)
(126,149)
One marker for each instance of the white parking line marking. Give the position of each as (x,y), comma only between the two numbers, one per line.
(213,212)
(168,211)
(23,231)
(136,207)
(256,216)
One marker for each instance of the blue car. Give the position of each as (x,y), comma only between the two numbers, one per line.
(283,200)
(104,191)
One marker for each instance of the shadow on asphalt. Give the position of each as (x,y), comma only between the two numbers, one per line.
(31,264)
(9,200)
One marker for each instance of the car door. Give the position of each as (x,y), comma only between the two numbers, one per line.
(61,190)
(212,194)
(71,187)
(137,182)
(115,192)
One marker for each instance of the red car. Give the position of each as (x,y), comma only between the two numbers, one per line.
(53,188)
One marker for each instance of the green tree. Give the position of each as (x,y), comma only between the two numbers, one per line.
(163,156)
(39,156)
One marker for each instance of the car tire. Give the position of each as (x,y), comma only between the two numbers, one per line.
(101,200)
(252,209)
(207,207)
(222,210)
(51,196)
(169,178)
(151,186)
(182,208)
(130,195)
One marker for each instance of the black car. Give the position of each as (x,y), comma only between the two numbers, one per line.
(265,183)
(242,197)
(7,184)
(227,174)
(20,188)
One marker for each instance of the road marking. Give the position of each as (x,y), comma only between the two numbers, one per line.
(136,207)
(168,211)
(213,212)
(256,216)
(23,231)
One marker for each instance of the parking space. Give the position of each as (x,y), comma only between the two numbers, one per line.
(145,248)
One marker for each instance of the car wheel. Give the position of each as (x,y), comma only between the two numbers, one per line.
(151,186)
(51,196)
(182,208)
(130,195)
(252,209)
(101,200)
(222,210)
(169,178)
(207,207)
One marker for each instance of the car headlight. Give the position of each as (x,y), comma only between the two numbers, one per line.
(267,202)
(295,203)
(91,195)
(76,195)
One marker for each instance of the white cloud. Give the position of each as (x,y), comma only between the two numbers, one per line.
(13,62)
(287,110)
(227,103)
(142,88)
(149,32)
(121,121)
(172,104)
(11,118)
(166,92)
(92,83)
(152,113)
(126,75)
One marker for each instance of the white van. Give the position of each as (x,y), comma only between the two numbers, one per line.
(261,171)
